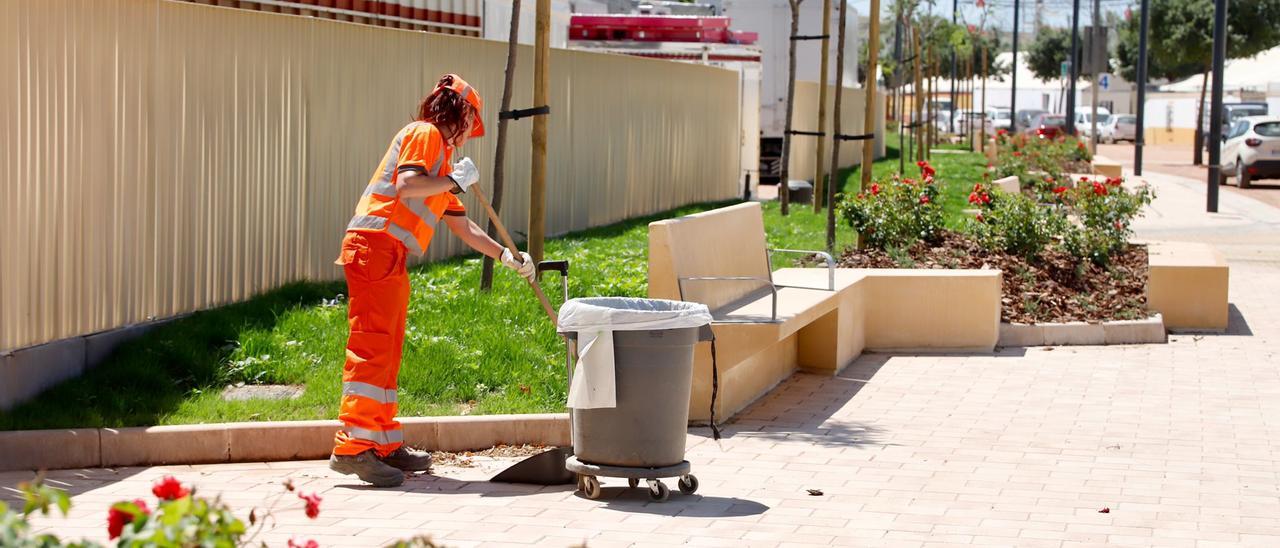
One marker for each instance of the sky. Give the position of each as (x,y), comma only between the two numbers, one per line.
(1055,13)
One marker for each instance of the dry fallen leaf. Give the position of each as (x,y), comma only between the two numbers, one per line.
(815,492)
(1104,511)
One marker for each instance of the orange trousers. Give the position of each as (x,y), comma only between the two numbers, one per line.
(377,301)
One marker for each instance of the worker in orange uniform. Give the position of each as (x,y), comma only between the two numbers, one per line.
(414,187)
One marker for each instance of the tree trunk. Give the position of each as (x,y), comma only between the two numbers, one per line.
(835,130)
(819,168)
(1197,156)
(784,170)
(500,149)
(538,163)
(869,91)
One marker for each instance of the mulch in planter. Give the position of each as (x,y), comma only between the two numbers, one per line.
(1050,289)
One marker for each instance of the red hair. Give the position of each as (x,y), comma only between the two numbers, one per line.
(444,107)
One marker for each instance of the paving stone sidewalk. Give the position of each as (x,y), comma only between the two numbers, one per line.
(1022,447)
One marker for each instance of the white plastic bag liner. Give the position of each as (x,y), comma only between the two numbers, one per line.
(596,318)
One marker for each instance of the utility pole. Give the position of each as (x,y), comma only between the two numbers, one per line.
(1097,34)
(1013,86)
(819,173)
(538,175)
(1215,115)
(835,130)
(1141,138)
(869,92)
(1075,68)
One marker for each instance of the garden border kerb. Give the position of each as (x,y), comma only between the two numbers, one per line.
(258,441)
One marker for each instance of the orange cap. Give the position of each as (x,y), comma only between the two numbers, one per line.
(470,95)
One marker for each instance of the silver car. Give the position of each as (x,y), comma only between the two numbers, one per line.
(1121,127)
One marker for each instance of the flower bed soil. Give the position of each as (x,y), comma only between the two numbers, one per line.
(1052,288)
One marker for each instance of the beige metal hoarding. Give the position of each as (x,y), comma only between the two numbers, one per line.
(803,147)
(160,157)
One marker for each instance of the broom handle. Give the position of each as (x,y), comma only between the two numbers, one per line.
(506,240)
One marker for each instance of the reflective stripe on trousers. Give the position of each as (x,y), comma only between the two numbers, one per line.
(378,299)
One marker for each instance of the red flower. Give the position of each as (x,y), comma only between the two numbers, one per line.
(168,488)
(909,181)
(924,198)
(972,29)
(875,189)
(308,544)
(979,217)
(1115,181)
(1002,132)
(986,198)
(117,519)
(1060,190)
(1099,189)
(862,196)
(990,165)
(1048,178)
(1119,225)
(977,187)
(1016,153)
(973,198)
(928,179)
(313,504)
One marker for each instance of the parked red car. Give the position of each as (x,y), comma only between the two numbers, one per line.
(1047,126)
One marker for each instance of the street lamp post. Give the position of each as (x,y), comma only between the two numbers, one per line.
(1013,86)
(1140,139)
(1215,115)
(1074,73)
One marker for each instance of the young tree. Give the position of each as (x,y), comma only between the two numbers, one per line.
(784,189)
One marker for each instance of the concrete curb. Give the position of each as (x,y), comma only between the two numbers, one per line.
(1147,331)
(258,441)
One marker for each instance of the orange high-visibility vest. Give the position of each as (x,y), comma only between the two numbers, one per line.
(418,147)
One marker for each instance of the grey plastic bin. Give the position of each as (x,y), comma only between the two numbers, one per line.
(653,372)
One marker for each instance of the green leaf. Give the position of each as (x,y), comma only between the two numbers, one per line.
(63,500)
(175,510)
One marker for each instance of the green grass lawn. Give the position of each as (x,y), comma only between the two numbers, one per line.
(465,352)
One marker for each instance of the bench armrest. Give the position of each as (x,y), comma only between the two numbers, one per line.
(768,283)
(831,263)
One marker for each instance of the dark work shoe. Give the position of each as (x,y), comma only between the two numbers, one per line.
(367,467)
(409,459)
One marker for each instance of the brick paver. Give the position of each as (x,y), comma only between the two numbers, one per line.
(1022,447)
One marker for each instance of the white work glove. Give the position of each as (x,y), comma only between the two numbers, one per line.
(464,175)
(525,268)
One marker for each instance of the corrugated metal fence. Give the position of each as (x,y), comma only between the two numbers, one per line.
(852,105)
(160,157)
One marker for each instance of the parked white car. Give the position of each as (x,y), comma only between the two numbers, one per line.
(1120,127)
(1252,150)
(1084,120)
(998,119)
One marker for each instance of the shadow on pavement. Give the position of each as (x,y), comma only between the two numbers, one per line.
(636,500)
(1236,324)
(75,482)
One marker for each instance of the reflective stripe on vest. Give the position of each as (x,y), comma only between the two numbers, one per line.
(367,221)
(375,436)
(385,189)
(366,390)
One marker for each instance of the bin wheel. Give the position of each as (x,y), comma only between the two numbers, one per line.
(658,491)
(633,482)
(591,487)
(688,484)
